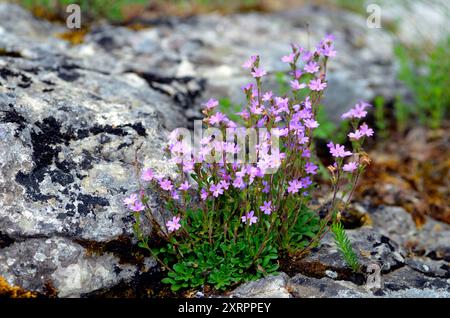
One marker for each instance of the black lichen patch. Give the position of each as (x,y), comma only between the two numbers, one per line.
(24,80)
(45,142)
(89,203)
(6,73)
(185,94)
(31,183)
(47,82)
(87,162)
(5,240)
(61,177)
(107,43)
(12,116)
(67,72)
(112,130)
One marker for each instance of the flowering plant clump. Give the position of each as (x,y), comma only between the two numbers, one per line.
(242,201)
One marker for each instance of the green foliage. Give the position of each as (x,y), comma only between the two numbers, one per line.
(380,117)
(328,129)
(221,265)
(357,6)
(428,78)
(344,246)
(230,109)
(282,81)
(233,256)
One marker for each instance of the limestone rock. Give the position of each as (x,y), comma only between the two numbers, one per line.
(268,287)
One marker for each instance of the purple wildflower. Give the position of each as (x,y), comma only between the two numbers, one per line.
(311,168)
(137,206)
(212,103)
(184,186)
(267,96)
(174,224)
(350,167)
(317,85)
(258,72)
(359,111)
(356,135)
(266,188)
(188,166)
(224,184)
(250,62)
(328,50)
(130,200)
(203,194)
(175,195)
(307,56)
(288,58)
(305,182)
(166,184)
(216,190)
(311,67)
(250,218)
(311,123)
(266,207)
(217,118)
(147,175)
(338,151)
(294,186)
(239,183)
(365,130)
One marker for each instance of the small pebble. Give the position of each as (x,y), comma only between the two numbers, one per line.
(331,274)
(199,294)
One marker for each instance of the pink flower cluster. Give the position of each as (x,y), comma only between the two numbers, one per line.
(289,119)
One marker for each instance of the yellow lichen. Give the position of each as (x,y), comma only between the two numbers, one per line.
(75,37)
(7,290)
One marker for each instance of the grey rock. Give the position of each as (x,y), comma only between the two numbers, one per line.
(432,239)
(401,283)
(393,222)
(35,263)
(406,281)
(268,287)
(429,267)
(69,138)
(417,23)
(302,286)
(69,152)
(370,246)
